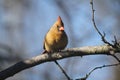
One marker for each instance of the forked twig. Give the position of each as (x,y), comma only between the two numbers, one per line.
(96,68)
(99,67)
(93,20)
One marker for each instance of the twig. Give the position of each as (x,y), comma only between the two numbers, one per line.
(116,57)
(93,11)
(116,43)
(100,68)
(62,70)
(102,35)
(96,68)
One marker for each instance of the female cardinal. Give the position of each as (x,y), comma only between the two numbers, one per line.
(56,38)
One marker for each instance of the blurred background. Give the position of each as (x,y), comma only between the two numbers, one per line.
(24,23)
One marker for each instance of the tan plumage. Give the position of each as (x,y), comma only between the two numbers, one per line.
(56,38)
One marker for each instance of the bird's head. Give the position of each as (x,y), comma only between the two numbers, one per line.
(58,25)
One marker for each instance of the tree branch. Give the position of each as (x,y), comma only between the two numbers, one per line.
(63,71)
(93,20)
(71,52)
(96,68)
(100,67)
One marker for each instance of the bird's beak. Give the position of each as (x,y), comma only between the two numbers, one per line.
(61,28)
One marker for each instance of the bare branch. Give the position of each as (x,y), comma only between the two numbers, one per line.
(116,57)
(115,43)
(100,68)
(96,68)
(71,52)
(93,11)
(62,70)
(93,20)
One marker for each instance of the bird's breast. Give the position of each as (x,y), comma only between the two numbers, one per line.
(56,41)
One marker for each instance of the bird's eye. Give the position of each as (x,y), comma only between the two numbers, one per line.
(58,27)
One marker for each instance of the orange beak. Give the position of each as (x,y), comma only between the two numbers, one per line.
(61,28)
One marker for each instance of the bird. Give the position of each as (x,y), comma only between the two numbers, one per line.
(56,38)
